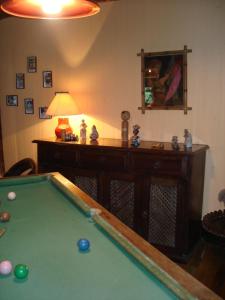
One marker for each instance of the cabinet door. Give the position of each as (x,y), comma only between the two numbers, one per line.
(120,192)
(89,182)
(164,213)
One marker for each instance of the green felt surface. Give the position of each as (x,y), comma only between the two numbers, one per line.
(42,233)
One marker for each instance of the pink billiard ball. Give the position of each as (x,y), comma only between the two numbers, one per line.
(5,267)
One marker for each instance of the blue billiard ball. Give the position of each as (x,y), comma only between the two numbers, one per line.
(83,244)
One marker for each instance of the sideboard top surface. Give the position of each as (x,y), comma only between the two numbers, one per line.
(145,146)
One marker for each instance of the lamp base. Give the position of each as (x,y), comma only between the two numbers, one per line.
(63,124)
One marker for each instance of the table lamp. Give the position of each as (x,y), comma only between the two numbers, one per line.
(63,104)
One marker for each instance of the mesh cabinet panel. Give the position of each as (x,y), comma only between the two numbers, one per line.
(88,185)
(162,214)
(122,201)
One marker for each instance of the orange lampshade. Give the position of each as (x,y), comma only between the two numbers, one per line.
(63,104)
(50,9)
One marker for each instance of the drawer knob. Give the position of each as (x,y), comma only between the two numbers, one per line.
(57,155)
(102,159)
(156,165)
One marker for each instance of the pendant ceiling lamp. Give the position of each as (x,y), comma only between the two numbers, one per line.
(50,9)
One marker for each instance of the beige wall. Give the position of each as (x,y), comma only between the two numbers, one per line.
(95,59)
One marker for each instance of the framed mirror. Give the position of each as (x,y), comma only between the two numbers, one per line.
(164,80)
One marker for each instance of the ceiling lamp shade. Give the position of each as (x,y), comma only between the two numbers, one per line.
(50,9)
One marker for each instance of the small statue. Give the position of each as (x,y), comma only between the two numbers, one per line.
(125,116)
(68,137)
(221,196)
(74,137)
(94,134)
(83,130)
(174,143)
(187,139)
(135,140)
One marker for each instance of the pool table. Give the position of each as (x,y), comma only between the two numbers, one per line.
(49,215)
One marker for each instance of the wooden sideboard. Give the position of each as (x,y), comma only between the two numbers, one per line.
(156,192)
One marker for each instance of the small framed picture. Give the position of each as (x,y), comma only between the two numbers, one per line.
(29,106)
(42,113)
(20,80)
(47,79)
(32,64)
(12,100)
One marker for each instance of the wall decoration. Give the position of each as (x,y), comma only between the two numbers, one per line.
(20,81)
(29,106)
(12,100)
(42,113)
(32,64)
(164,80)
(47,79)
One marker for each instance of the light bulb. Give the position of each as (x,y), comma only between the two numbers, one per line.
(54,6)
(51,7)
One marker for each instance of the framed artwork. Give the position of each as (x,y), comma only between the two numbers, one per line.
(20,81)
(164,80)
(47,79)
(29,106)
(32,64)
(12,100)
(42,113)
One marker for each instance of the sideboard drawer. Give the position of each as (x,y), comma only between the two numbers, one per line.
(57,155)
(103,159)
(159,164)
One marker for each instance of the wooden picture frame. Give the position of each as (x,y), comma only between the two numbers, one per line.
(29,106)
(42,113)
(20,80)
(12,100)
(32,64)
(47,79)
(164,80)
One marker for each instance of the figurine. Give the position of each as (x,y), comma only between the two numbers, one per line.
(125,116)
(187,139)
(83,130)
(94,134)
(174,143)
(221,196)
(135,140)
(68,137)
(74,137)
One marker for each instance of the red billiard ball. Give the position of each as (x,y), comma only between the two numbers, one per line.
(4,216)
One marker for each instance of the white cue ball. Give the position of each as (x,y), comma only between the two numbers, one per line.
(11,195)
(5,267)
